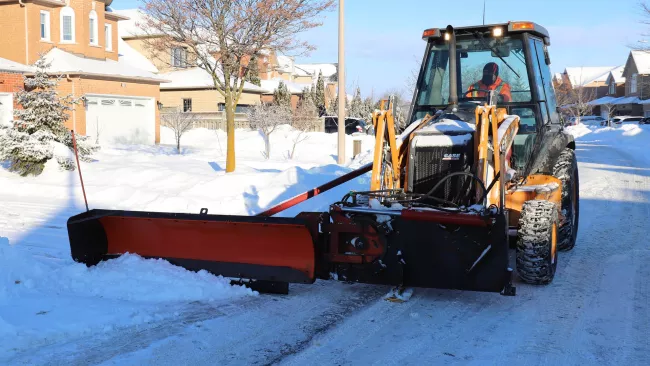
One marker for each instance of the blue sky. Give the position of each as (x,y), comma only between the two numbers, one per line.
(383,37)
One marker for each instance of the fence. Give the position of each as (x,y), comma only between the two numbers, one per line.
(217,121)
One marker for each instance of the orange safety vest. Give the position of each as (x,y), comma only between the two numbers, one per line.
(501,87)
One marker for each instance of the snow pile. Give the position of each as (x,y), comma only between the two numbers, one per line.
(128,277)
(578,130)
(632,137)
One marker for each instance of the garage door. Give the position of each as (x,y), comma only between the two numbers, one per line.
(6,108)
(120,119)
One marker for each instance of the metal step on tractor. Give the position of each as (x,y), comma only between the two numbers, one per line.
(484,167)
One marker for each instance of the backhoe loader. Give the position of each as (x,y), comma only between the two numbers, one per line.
(476,173)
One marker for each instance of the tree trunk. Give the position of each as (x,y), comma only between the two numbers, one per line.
(230,131)
(267,146)
(178,144)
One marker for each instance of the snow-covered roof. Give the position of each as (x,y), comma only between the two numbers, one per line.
(313,69)
(132,26)
(627,100)
(197,78)
(642,61)
(110,12)
(582,76)
(133,57)
(294,88)
(604,100)
(616,101)
(67,63)
(11,66)
(617,75)
(287,64)
(284,62)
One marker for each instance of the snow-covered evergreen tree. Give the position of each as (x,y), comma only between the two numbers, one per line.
(319,94)
(38,133)
(369,107)
(307,94)
(357,109)
(334,107)
(253,75)
(282,96)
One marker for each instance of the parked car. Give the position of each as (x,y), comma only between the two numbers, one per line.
(587,120)
(627,119)
(352,126)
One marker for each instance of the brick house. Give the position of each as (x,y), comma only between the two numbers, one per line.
(11,81)
(80,39)
(637,84)
(592,79)
(612,104)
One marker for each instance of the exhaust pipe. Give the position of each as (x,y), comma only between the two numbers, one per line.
(453,77)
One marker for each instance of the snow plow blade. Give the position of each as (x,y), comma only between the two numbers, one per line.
(278,250)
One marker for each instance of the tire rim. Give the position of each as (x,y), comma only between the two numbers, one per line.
(553,243)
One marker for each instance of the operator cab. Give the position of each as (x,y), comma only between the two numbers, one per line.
(507,62)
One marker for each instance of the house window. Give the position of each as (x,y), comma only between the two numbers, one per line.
(633,83)
(179,57)
(67,25)
(108,30)
(92,27)
(612,88)
(239,108)
(187,105)
(45,25)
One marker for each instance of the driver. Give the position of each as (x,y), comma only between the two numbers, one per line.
(490,81)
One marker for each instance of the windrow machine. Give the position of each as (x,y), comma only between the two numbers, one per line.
(476,170)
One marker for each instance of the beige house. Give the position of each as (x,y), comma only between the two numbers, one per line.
(191,89)
(80,39)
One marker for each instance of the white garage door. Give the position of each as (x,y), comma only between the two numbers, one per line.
(6,108)
(120,119)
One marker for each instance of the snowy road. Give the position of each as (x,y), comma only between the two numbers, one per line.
(595,312)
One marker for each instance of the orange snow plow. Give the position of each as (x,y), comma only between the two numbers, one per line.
(471,177)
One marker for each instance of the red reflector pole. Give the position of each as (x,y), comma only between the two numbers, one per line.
(316,191)
(76,154)
(444,218)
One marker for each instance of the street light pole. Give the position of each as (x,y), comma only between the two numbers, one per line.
(342,96)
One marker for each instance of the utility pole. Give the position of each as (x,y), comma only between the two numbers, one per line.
(342,95)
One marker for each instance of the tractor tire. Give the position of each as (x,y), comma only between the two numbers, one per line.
(536,249)
(566,170)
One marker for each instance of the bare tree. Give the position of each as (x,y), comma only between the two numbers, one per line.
(266,118)
(303,121)
(574,101)
(221,36)
(179,122)
(610,108)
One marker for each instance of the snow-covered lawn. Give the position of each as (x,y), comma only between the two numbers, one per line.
(46,297)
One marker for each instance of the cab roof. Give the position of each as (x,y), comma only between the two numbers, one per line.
(509,27)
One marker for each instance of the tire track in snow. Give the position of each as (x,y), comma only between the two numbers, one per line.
(216,332)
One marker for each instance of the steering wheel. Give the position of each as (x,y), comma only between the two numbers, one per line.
(500,98)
